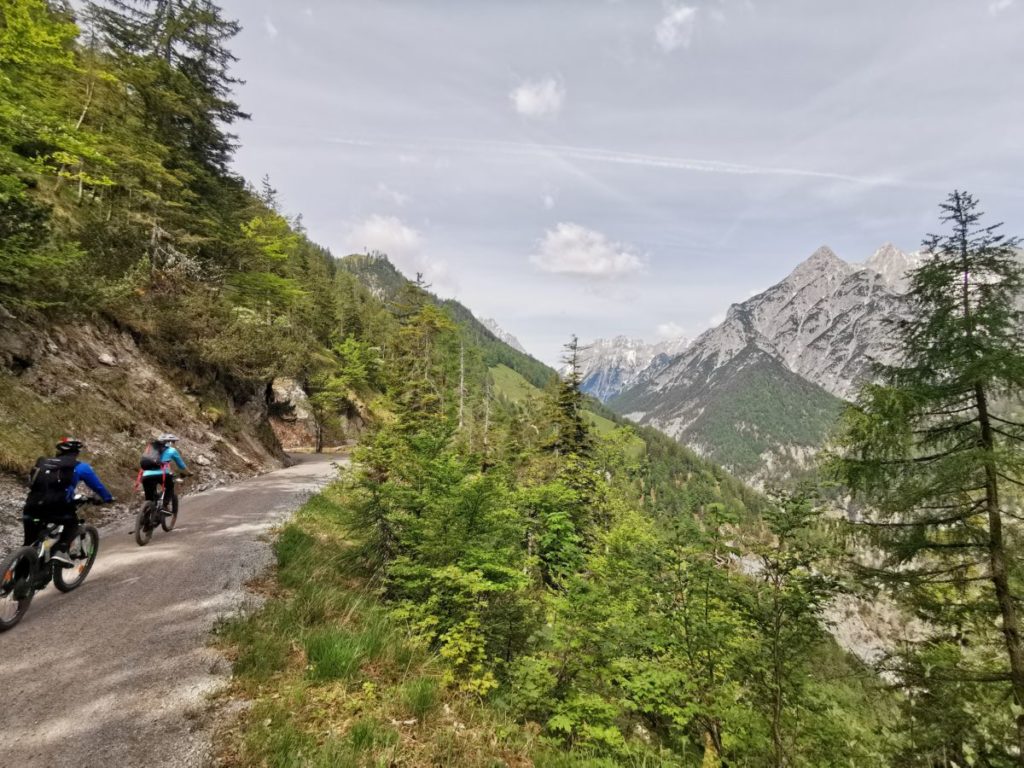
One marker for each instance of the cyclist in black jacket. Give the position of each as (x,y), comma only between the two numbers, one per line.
(52,486)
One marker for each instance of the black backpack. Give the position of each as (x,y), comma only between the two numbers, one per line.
(151,458)
(49,483)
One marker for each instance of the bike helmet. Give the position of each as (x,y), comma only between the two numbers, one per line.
(70,445)
(167,437)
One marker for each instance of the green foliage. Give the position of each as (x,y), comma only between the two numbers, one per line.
(421,696)
(503,545)
(936,450)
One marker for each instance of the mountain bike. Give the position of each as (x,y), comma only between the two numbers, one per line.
(152,514)
(30,569)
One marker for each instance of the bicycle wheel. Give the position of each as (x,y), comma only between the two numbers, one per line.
(83,554)
(167,522)
(16,591)
(144,523)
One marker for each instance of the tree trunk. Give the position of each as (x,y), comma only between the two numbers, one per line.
(999,569)
(777,673)
(462,383)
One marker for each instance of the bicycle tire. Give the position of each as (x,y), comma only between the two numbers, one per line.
(167,522)
(17,572)
(143,524)
(89,542)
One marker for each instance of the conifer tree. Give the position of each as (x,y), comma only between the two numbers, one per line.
(572,433)
(175,54)
(936,448)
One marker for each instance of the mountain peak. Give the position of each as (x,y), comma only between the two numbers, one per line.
(823,261)
(610,366)
(892,265)
(825,256)
(501,334)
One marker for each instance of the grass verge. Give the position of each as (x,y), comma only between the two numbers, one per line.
(331,679)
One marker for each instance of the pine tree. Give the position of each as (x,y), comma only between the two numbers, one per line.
(571,430)
(175,54)
(784,608)
(937,450)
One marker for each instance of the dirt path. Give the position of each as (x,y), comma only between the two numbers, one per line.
(117,673)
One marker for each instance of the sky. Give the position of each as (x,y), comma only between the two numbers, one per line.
(605,167)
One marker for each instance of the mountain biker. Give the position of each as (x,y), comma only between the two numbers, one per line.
(52,487)
(163,475)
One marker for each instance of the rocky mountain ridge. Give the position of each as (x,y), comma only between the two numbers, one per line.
(501,334)
(824,325)
(611,366)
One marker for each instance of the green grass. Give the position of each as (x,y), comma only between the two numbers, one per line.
(334,654)
(335,680)
(420,696)
(512,386)
(601,425)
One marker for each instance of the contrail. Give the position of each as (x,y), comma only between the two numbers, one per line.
(597,155)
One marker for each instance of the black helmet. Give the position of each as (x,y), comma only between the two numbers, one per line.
(69,445)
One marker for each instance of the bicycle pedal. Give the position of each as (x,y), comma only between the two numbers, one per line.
(21,590)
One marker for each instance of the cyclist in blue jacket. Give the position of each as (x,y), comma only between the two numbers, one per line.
(153,479)
(52,489)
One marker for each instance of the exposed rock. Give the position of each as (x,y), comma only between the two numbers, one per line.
(289,400)
(501,334)
(51,384)
(611,366)
(827,323)
(291,416)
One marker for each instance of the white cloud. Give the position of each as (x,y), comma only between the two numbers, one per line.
(387,234)
(570,249)
(541,98)
(548,200)
(995,7)
(271,30)
(716,320)
(675,30)
(670,330)
(393,195)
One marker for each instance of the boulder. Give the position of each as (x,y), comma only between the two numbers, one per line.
(291,417)
(289,400)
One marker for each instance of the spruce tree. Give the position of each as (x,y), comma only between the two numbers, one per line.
(936,448)
(175,54)
(572,433)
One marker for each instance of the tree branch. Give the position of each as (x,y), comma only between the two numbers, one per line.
(1010,479)
(1006,421)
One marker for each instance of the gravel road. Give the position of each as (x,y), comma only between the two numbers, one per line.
(118,672)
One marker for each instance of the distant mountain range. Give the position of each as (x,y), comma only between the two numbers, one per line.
(760,392)
(501,334)
(611,366)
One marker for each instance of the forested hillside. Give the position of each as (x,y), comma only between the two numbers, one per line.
(498,561)
(127,242)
